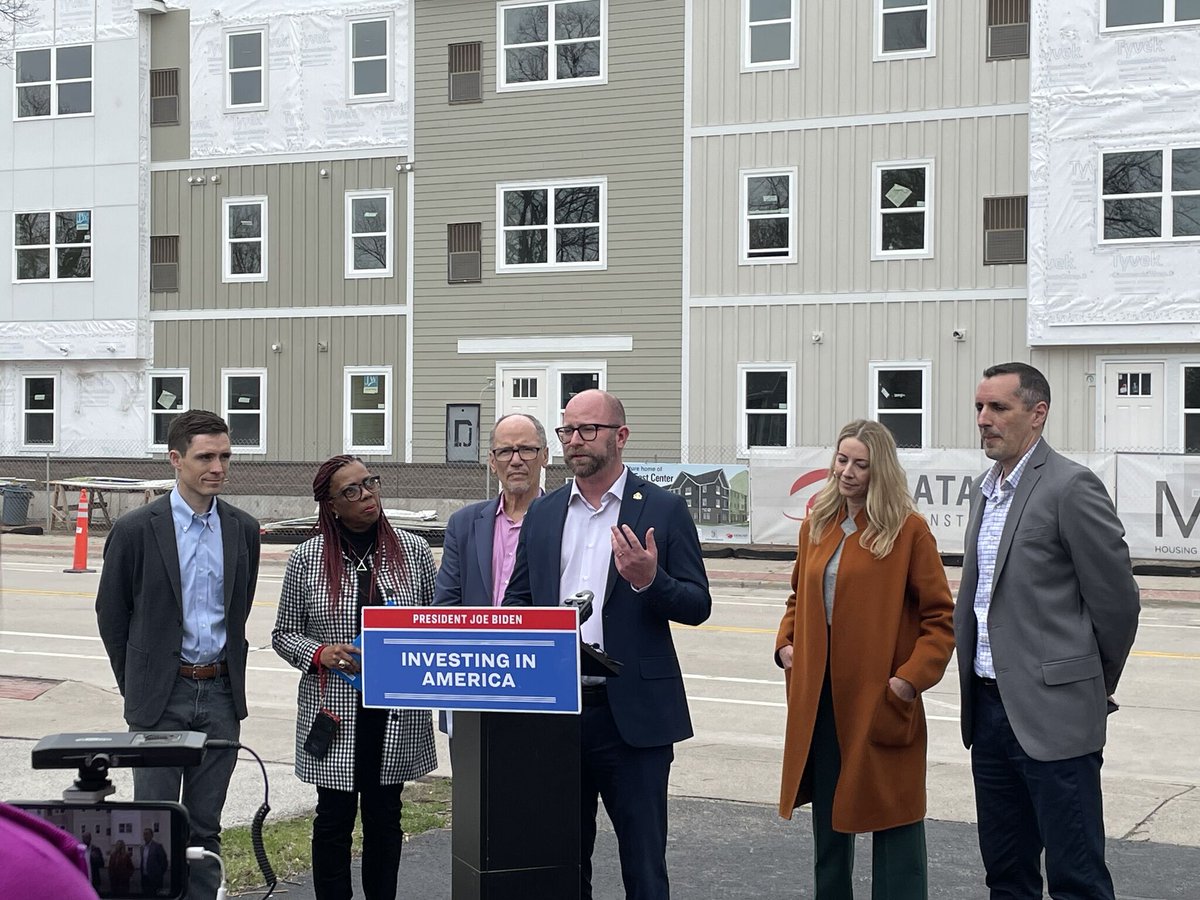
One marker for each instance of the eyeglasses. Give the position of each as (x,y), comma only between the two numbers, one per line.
(504,454)
(355,491)
(588,432)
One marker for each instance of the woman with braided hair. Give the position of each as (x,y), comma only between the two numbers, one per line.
(356,757)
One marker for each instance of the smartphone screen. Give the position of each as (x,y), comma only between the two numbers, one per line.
(136,849)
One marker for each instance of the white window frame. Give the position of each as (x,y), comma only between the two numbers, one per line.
(925,367)
(552,81)
(227,275)
(226,409)
(551,243)
(579,367)
(877,213)
(53,247)
(388,233)
(793,60)
(1166,195)
(930,48)
(1184,409)
(744,175)
(347,414)
(53,411)
(351,59)
(1168,20)
(153,410)
(262,69)
(54,83)
(743,432)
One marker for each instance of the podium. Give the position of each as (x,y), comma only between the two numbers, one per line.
(516,801)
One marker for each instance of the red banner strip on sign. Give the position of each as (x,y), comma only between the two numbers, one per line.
(542,618)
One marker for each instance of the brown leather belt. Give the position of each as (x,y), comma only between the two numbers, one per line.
(203,673)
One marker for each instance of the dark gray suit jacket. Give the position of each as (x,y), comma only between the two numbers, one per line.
(1063,613)
(139,605)
(465,575)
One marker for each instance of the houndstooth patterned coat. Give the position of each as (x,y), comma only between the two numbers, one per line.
(304,623)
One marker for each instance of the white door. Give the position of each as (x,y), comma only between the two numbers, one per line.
(524,390)
(1133,406)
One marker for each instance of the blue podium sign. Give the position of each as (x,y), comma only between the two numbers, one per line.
(483,659)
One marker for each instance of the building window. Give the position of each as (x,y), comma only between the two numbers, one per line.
(904,28)
(368,405)
(164,96)
(551,44)
(770,34)
(1191,409)
(370,74)
(168,398)
(1151,195)
(900,400)
(245,69)
(244,238)
(39,411)
(368,234)
(766,406)
(1147,13)
(53,246)
(572,383)
(768,217)
(244,404)
(551,225)
(54,81)
(903,209)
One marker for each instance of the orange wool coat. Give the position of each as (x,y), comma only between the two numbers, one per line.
(891,616)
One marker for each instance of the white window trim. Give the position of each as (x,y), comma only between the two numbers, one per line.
(1166,196)
(742,431)
(56,411)
(877,171)
(54,82)
(552,82)
(744,257)
(263,33)
(793,60)
(1181,403)
(930,48)
(227,275)
(922,365)
(550,265)
(347,420)
(261,374)
(352,97)
(1168,20)
(187,392)
(389,234)
(53,247)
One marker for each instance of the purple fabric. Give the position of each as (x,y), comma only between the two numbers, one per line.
(39,860)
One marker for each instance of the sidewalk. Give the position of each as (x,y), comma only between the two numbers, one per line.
(720,850)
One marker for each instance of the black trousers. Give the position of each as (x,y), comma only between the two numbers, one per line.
(1025,805)
(333,826)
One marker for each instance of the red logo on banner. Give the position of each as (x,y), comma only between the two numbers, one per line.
(805,481)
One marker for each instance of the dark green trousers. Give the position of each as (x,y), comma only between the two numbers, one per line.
(899,865)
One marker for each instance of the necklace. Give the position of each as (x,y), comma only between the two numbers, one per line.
(360,560)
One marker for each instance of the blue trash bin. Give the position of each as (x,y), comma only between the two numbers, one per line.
(16,504)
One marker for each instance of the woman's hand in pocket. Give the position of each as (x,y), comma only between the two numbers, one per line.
(902,689)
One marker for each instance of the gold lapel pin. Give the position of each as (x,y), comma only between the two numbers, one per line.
(637,495)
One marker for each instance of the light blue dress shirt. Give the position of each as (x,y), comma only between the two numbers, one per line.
(202,579)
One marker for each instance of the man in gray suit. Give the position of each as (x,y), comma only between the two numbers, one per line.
(1046,616)
(174,595)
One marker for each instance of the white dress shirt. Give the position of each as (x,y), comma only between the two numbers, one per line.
(587,552)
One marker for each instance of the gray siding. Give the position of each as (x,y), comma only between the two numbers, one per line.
(305,234)
(838,75)
(972,158)
(630,131)
(170,47)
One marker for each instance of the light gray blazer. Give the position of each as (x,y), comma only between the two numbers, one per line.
(1064,608)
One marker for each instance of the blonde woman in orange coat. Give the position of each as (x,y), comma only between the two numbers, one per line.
(867,630)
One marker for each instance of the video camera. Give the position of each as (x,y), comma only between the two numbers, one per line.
(134,849)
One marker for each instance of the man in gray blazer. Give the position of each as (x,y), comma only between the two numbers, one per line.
(175,591)
(1046,615)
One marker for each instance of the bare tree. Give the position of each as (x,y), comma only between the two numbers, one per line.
(16,13)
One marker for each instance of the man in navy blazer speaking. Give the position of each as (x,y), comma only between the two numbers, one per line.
(635,547)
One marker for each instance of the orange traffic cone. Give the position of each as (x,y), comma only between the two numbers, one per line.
(81,535)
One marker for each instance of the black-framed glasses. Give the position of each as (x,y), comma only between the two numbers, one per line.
(504,454)
(354,492)
(587,431)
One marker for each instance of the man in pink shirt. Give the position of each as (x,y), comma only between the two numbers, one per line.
(481,539)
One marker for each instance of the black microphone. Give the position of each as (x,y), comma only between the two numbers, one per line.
(581,600)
